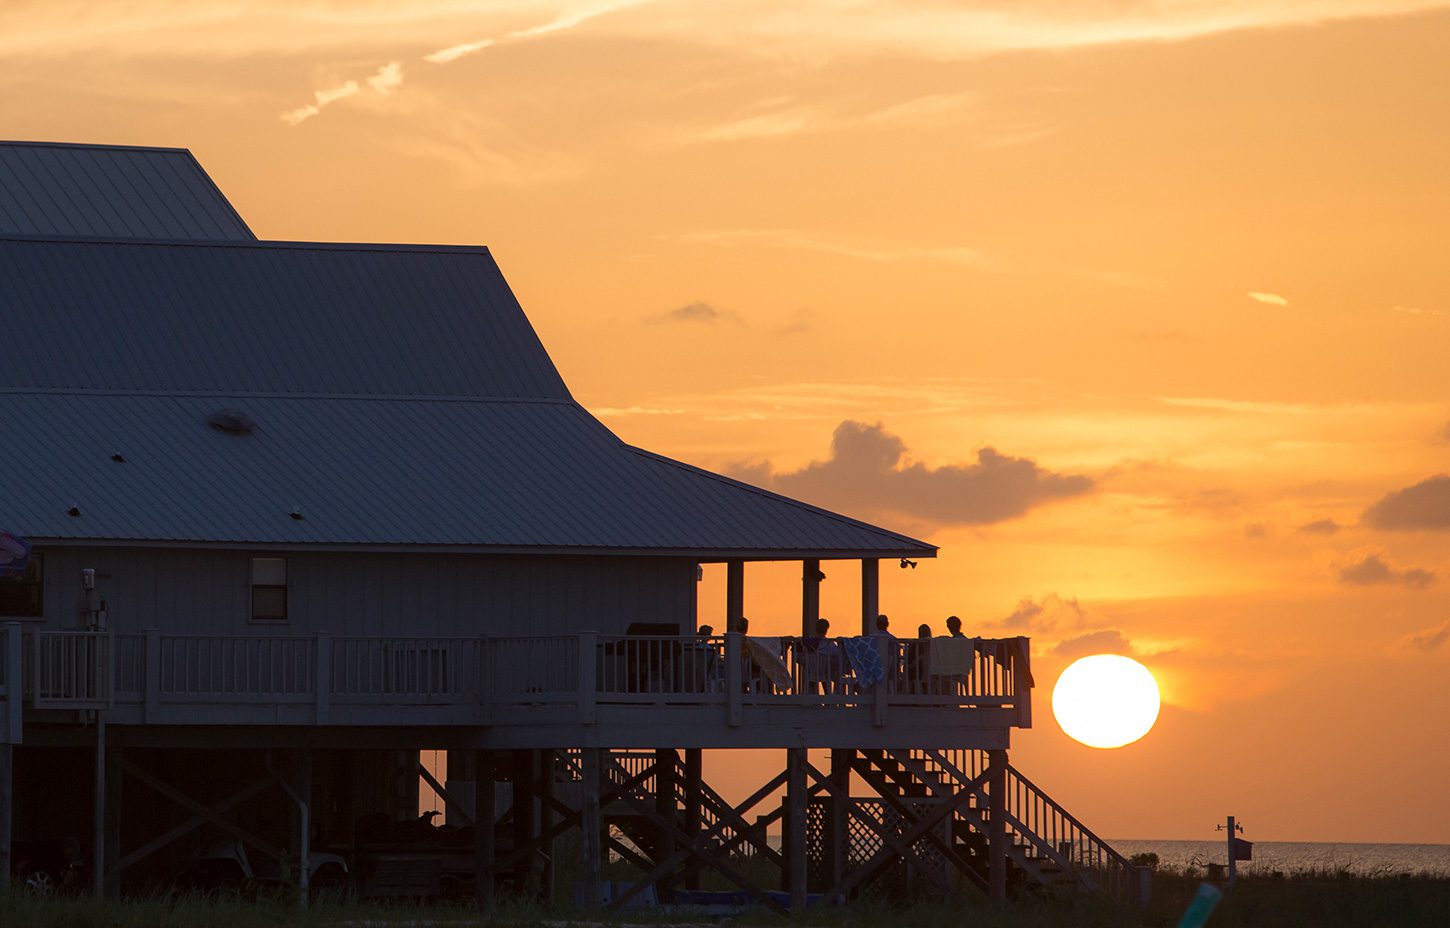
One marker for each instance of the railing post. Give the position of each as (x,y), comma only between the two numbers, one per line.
(485,679)
(323,683)
(1022,681)
(14,681)
(588,676)
(886,648)
(151,673)
(734,679)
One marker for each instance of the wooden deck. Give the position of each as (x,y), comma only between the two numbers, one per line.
(546,691)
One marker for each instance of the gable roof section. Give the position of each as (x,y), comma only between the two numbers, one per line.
(111,191)
(266,317)
(400,399)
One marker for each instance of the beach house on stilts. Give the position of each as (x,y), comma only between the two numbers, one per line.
(277,516)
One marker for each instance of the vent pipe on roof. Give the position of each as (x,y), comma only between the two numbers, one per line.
(232,421)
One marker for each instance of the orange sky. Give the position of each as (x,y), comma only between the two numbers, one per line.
(1180,267)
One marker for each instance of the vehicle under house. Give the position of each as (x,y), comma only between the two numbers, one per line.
(280,515)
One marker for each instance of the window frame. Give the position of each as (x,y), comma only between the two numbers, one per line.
(254,586)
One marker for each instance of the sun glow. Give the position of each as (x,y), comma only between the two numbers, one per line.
(1106,701)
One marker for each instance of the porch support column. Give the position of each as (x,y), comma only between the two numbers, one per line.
(997,827)
(591,845)
(7,811)
(838,836)
(794,837)
(693,811)
(734,594)
(665,808)
(810,595)
(870,593)
(98,812)
(548,770)
(112,856)
(524,762)
(484,785)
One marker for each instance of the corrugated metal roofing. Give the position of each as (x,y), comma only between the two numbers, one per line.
(400,398)
(104,191)
(266,318)
(376,471)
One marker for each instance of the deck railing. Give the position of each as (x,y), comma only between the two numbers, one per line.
(89,669)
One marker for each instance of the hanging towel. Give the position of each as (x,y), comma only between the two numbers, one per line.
(950,657)
(766,654)
(865,659)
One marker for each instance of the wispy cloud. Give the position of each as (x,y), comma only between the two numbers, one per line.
(777,117)
(959,255)
(1373,570)
(560,23)
(1270,299)
(697,312)
(388,78)
(1427,639)
(1320,527)
(320,98)
(1417,311)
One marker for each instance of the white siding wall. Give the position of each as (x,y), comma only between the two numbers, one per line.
(207,592)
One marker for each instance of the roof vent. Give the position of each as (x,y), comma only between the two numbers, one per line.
(232,421)
(296,513)
(118,458)
(74,511)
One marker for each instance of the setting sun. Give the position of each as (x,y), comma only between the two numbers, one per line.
(1106,701)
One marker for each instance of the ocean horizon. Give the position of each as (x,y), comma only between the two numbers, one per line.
(1359,858)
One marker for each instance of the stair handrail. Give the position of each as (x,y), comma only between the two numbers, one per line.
(1109,856)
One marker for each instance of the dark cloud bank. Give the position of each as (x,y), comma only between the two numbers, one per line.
(1372,570)
(865,472)
(1423,506)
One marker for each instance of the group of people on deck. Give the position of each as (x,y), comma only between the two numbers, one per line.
(827,666)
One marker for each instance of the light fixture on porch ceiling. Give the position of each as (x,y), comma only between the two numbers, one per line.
(905,564)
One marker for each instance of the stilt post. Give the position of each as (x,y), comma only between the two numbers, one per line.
(667,809)
(590,846)
(694,812)
(997,827)
(111,859)
(98,820)
(7,811)
(484,785)
(795,827)
(838,835)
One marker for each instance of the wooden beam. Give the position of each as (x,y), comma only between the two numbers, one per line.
(204,814)
(441,792)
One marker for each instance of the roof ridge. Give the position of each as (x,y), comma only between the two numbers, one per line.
(274,395)
(760,491)
(96,146)
(255,244)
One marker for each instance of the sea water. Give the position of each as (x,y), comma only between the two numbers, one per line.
(1299,856)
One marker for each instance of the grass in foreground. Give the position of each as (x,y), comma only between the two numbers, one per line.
(1321,900)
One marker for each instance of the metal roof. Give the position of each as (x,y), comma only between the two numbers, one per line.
(111,191)
(266,317)
(399,398)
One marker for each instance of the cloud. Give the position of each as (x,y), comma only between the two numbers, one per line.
(931,111)
(1423,506)
(867,470)
(611,412)
(696,312)
(1320,527)
(1052,613)
(1106,641)
(1372,570)
(321,98)
(1427,639)
(388,78)
(558,24)
(958,255)
(1417,311)
(1272,299)
(1256,531)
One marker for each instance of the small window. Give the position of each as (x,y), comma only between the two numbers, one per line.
(269,589)
(20,595)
